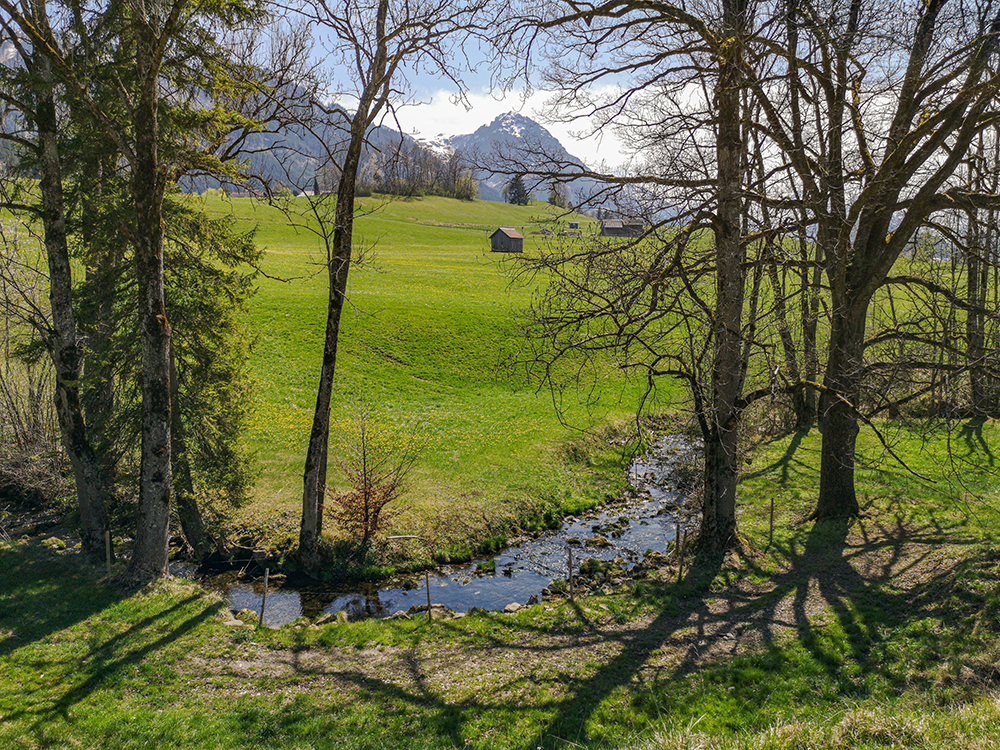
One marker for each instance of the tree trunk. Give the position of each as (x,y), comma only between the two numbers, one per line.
(981,236)
(842,381)
(99,375)
(800,401)
(64,343)
(811,293)
(192,523)
(372,100)
(718,529)
(975,329)
(837,497)
(149,554)
(102,268)
(338,266)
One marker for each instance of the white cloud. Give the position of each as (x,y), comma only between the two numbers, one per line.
(441,116)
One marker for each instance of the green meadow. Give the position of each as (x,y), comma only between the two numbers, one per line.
(881,632)
(430,343)
(877,632)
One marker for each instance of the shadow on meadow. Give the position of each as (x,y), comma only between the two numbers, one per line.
(48,599)
(42,595)
(835,613)
(821,632)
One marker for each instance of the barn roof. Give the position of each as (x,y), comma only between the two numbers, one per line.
(622,223)
(512,233)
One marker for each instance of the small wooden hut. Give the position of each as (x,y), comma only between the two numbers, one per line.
(622,228)
(506,240)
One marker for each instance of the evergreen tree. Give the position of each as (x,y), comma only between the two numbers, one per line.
(206,286)
(123,71)
(515,191)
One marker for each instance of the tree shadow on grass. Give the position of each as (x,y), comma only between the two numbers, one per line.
(49,595)
(110,658)
(786,462)
(44,593)
(752,651)
(839,599)
(572,697)
(976,444)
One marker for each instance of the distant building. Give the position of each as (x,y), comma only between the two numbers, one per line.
(506,240)
(622,228)
(574,225)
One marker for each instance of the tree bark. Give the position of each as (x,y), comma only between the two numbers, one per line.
(374,95)
(718,529)
(975,325)
(149,553)
(837,496)
(811,293)
(98,323)
(64,343)
(981,236)
(338,267)
(188,512)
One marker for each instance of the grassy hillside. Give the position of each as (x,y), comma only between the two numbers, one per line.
(428,341)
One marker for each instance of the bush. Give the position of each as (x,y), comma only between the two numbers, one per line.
(376,465)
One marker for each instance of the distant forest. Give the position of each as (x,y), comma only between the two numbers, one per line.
(408,170)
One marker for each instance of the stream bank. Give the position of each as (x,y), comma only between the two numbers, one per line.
(600,550)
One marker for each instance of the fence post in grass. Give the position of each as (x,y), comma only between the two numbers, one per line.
(107,550)
(570,579)
(263,601)
(770,534)
(679,548)
(427,583)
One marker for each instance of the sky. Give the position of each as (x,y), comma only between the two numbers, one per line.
(437,115)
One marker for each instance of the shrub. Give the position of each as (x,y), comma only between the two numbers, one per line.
(375,463)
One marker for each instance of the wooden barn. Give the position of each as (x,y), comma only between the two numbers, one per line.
(506,240)
(622,228)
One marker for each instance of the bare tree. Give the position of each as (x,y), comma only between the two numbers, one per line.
(370,46)
(669,304)
(898,100)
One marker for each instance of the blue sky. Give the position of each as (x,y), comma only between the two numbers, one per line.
(434,112)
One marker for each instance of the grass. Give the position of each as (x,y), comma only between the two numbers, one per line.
(882,632)
(428,342)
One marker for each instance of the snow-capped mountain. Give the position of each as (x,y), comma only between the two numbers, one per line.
(439,144)
(513,144)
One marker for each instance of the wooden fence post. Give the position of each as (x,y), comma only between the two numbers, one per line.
(570,574)
(263,601)
(427,583)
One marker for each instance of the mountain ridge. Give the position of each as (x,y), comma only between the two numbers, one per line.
(515,144)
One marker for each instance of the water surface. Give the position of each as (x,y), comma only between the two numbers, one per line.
(643,523)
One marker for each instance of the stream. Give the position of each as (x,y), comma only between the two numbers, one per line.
(624,530)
